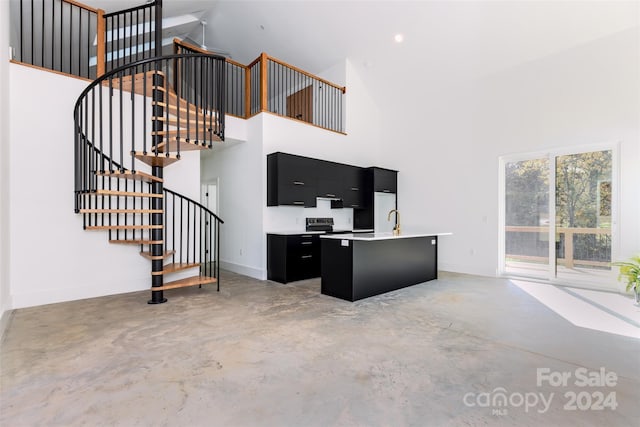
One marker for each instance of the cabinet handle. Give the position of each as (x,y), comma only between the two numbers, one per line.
(355,189)
(307,243)
(330,195)
(355,206)
(306,256)
(298,183)
(298,203)
(306,236)
(386,191)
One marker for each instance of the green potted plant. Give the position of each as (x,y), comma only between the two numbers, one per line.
(630,271)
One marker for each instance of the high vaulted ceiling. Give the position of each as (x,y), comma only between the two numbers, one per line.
(448,39)
(449,36)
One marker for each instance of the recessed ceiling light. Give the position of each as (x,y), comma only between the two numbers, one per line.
(398,38)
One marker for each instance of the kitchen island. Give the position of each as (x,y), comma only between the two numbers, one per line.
(357,266)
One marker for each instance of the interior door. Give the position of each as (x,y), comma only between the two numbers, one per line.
(300,104)
(209,199)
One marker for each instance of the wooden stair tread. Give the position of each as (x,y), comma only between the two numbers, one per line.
(120,211)
(174,267)
(184,145)
(165,255)
(124,227)
(160,160)
(173,121)
(174,100)
(187,281)
(137,242)
(126,194)
(138,86)
(174,111)
(200,131)
(127,174)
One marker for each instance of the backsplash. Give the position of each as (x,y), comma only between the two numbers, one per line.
(292,218)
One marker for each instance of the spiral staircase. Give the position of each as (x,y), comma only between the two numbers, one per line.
(129,124)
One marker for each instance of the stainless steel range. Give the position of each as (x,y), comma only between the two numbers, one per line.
(319,224)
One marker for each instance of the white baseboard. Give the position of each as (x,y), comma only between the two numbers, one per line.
(245,270)
(53,296)
(465,269)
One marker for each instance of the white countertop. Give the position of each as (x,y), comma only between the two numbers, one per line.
(383,236)
(293,232)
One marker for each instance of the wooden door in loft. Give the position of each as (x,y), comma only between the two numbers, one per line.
(300,104)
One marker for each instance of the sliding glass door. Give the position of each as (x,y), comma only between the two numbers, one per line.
(557,216)
(583,215)
(526,219)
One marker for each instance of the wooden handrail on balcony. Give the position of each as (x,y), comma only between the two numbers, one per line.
(260,94)
(181,43)
(82,6)
(568,238)
(343,89)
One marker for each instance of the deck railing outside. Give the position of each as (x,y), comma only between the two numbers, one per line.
(593,253)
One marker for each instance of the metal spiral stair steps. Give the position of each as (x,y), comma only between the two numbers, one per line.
(131,215)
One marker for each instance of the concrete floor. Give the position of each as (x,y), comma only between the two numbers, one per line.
(266,354)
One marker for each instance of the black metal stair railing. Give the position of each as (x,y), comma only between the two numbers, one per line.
(131,123)
(191,230)
(133,113)
(191,234)
(235,80)
(129,34)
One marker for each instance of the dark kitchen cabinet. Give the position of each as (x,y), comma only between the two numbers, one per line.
(330,179)
(293,257)
(354,187)
(384,180)
(297,181)
(376,180)
(291,180)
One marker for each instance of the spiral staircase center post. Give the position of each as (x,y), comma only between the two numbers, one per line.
(157,203)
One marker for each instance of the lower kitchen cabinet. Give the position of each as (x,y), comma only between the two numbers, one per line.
(293,257)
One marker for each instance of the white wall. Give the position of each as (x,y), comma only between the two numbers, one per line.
(5,293)
(447,152)
(239,171)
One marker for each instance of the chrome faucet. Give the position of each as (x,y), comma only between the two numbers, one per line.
(396,229)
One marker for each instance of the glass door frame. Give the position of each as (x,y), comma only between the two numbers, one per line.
(551,155)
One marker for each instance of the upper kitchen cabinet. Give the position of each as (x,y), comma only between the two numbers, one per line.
(291,180)
(298,181)
(330,179)
(384,180)
(354,187)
